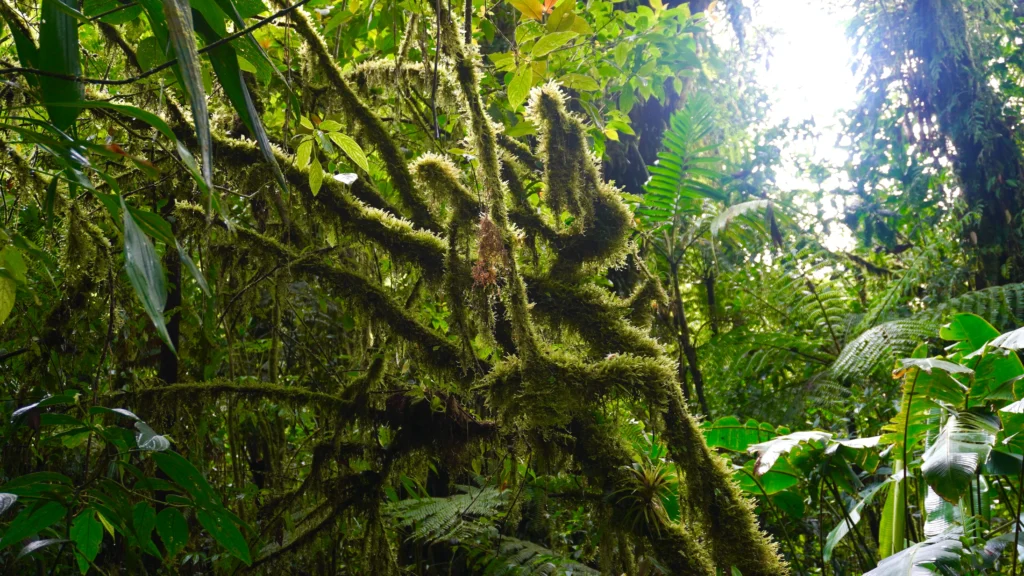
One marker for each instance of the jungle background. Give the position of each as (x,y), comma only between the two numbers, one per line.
(506,287)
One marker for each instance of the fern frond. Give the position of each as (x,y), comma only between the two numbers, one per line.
(468,518)
(882,345)
(1001,306)
(442,518)
(521,557)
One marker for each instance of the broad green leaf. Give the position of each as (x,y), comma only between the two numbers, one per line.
(224,531)
(562,16)
(551,42)
(194,270)
(225,65)
(124,12)
(316,176)
(173,530)
(25,45)
(185,475)
(892,525)
(145,272)
(730,434)
(519,87)
(144,521)
(27,484)
(59,52)
(580,82)
(969,330)
(303,154)
(351,149)
(148,440)
(87,534)
(12,264)
(964,443)
(7,292)
(178,17)
(791,502)
(782,476)
(31,521)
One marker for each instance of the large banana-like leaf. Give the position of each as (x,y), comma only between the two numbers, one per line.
(940,516)
(892,526)
(728,433)
(960,448)
(922,559)
(770,451)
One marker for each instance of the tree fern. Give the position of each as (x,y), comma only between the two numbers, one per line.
(880,346)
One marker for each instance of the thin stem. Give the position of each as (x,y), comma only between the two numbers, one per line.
(906,432)
(1016,520)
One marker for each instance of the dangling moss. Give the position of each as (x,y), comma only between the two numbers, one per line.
(728,515)
(79,247)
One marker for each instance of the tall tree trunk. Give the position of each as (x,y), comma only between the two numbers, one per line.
(709,291)
(988,162)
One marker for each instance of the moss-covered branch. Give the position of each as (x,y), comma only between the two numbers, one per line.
(591,312)
(603,456)
(398,236)
(373,128)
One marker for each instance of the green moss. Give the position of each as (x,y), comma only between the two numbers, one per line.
(250,390)
(593,314)
(570,177)
(443,178)
(399,237)
(373,129)
(603,456)
(727,515)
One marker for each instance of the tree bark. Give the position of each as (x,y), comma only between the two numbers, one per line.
(987,160)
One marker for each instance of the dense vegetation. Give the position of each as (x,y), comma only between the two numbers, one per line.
(348,287)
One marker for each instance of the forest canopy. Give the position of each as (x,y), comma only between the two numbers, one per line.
(512,287)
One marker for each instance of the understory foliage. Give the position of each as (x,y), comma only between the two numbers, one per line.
(503,288)
(377,354)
